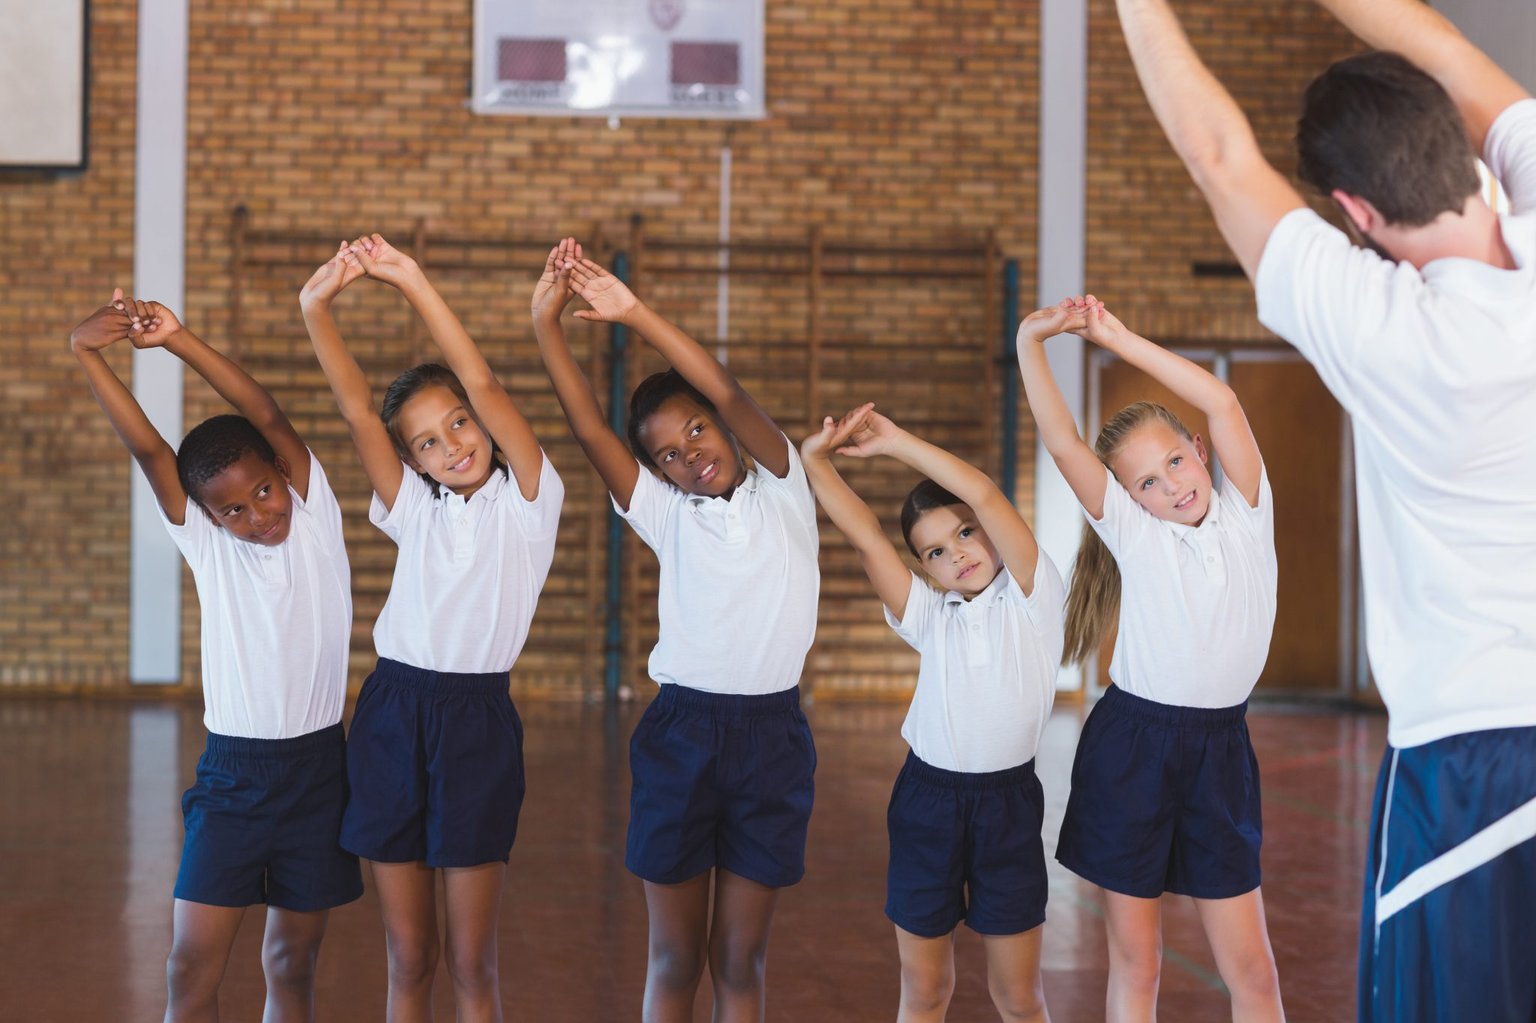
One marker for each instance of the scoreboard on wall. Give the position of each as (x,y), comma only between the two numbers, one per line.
(619,58)
(42,84)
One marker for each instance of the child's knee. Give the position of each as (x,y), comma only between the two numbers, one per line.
(412,961)
(739,965)
(926,989)
(1254,975)
(191,975)
(1017,1002)
(290,964)
(1136,962)
(676,966)
(473,968)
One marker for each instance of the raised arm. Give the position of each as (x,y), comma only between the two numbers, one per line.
(1480,88)
(1231,436)
(1058,430)
(161,328)
(375,450)
(607,453)
(1208,131)
(890,577)
(107,325)
(1007,529)
(613,302)
(492,405)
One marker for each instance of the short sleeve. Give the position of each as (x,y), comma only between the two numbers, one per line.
(922,606)
(410,499)
(1325,295)
(541,516)
(321,505)
(1510,152)
(651,504)
(794,478)
(1124,522)
(1047,601)
(194,535)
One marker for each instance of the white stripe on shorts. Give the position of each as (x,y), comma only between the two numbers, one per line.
(1519,825)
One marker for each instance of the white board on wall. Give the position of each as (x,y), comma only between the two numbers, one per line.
(612,58)
(42,83)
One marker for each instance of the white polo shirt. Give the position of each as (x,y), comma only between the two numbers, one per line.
(468,573)
(987,677)
(1197,603)
(276,621)
(738,584)
(1437,369)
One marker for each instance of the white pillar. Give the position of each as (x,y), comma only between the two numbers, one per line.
(159,273)
(1063,177)
(1503,29)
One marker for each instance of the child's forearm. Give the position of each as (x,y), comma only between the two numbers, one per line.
(448,332)
(233,384)
(955,475)
(1185,379)
(127,417)
(348,383)
(847,510)
(572,388)
(685,355)
(1053,420)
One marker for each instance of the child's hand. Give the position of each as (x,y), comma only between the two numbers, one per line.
(154,325)
(383,262)
(107,325)
(1100,326)
(835,432)
(1066,316)
(875,435)
(326,283)
(554,292)
(610,299)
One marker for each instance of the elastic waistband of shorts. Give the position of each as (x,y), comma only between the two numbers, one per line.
(1169,714)
(408,676)
(728,705)
(967,781)
(277,749)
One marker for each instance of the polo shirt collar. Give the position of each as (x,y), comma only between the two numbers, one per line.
(1208,525)
(492,490)
(748,485)
(991,595)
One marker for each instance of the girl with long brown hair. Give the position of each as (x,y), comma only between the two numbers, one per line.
(1165,786)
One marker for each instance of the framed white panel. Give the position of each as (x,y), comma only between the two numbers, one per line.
(613,58)
(43,84)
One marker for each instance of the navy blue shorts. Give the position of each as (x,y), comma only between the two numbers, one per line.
(263,820)
(1164,799)
(966,847)
(436,760)
(1450,884)
(723,781)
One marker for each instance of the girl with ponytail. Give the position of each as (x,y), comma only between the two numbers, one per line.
(1165,786)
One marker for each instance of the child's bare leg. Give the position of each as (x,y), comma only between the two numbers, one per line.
(927,976)
(201,937)
(408,900)
(474,902)
(290,948)
(738,946)
(1135,929)
(679,938)
(1013,976)
(1239,938)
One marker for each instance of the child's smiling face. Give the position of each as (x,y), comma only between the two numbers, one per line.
(443,440)
(691,448)
(1165,472)
(250,498)
(954,550)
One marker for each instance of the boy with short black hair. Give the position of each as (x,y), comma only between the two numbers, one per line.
(252,512)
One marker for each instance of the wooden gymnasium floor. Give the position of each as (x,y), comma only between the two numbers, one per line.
(90,832)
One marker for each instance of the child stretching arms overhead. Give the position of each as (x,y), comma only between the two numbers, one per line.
(722,762)
(1165,787)
(436,757)
(251,510)
(966,812)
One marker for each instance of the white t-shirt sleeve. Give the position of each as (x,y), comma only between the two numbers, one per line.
(1124,523)
(1260,519)
(794,479)
(322,506)
(1325,295)
(922,605)
(651,504)
(413,496)
(1510,153)
(541,516)
(1046,605)
(195,533)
